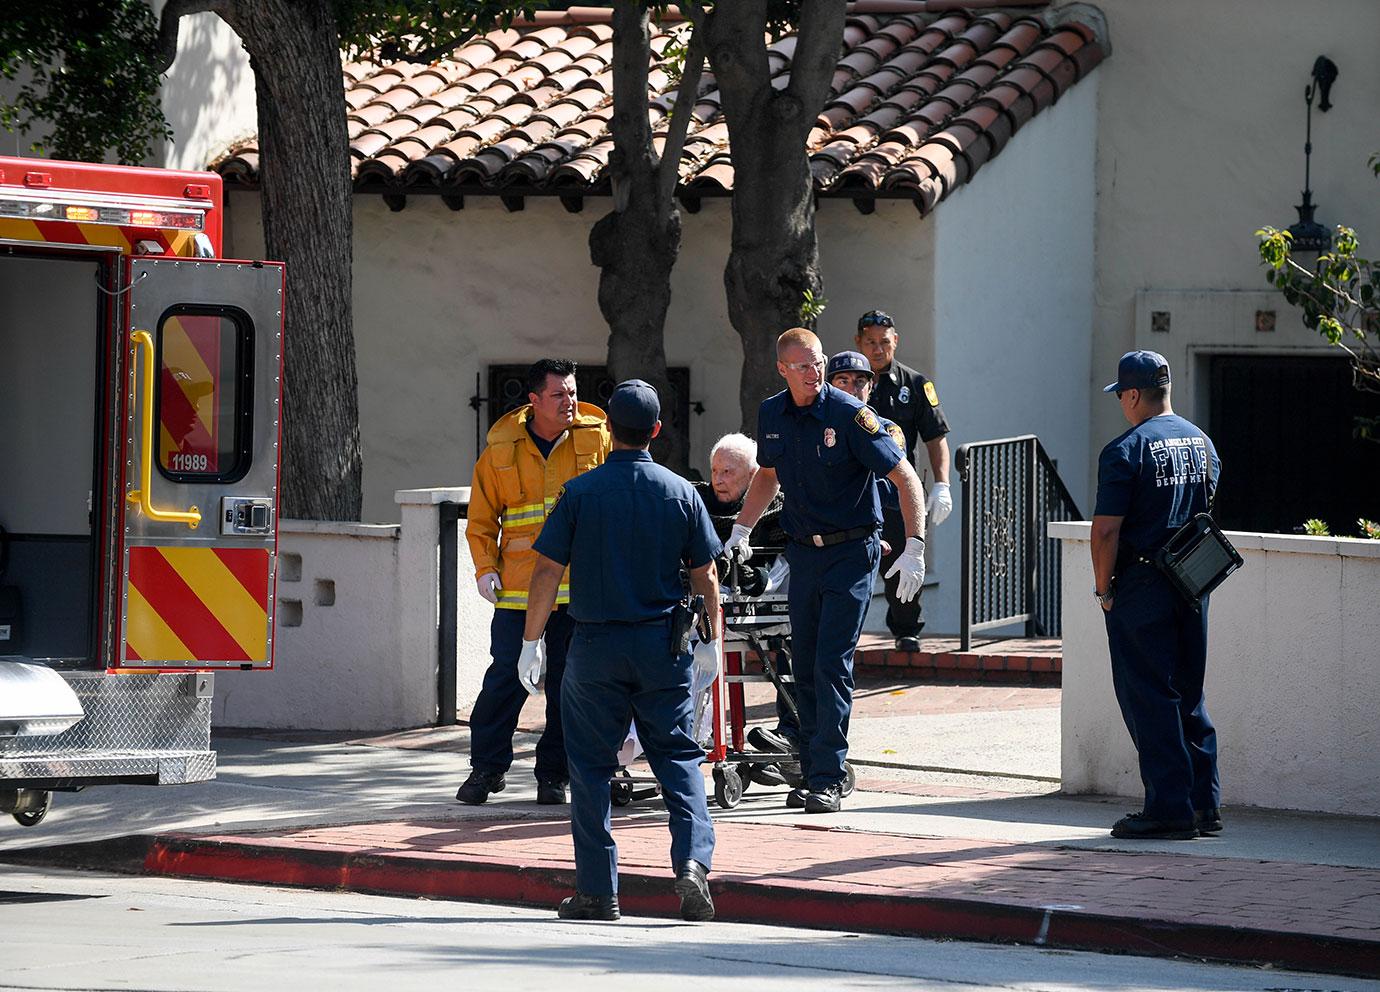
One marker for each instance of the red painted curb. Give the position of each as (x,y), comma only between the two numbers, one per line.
(759,901)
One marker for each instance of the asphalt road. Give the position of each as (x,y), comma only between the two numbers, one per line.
(76,930)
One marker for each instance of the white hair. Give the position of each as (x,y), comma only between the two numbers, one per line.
(736,444)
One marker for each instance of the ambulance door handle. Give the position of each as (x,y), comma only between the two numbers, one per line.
(191,516)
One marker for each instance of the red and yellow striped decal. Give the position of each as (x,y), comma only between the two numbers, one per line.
(188,414)
(197,604)
(171,242)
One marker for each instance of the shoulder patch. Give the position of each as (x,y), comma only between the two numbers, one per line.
(897,435)
(931,395)
(559,493)
(867,420)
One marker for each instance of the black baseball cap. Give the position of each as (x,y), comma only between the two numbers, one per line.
(634,404)
(848,361)
(1140,370)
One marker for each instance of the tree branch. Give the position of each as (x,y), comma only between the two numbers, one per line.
(681,111)
(818,40)
(165,48)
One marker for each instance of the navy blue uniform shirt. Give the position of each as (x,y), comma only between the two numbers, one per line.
(827,457)
(624,529)
(908,398)
(1155,476)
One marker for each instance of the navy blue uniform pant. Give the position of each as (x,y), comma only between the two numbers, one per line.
(496,711)
(828,597)
(1159,652)
(616,672)
(902,619)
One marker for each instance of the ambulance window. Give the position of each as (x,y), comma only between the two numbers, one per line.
(204,390)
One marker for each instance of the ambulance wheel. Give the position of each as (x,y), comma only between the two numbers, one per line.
(745,774)
(850,779)
(35,810)
(728,787)
(621,790)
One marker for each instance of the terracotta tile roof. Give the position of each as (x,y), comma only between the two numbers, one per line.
(925,93)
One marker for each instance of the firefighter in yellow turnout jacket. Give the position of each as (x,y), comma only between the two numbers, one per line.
(532,452)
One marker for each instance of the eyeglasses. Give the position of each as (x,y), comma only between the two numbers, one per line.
(877,319)
(817,365)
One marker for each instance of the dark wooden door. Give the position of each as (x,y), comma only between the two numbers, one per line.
(1285,428)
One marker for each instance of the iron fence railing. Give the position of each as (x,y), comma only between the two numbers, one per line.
(1010,566)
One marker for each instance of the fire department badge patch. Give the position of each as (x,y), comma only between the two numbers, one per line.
(931,395)
(830,439)
(897,435)
(867,420)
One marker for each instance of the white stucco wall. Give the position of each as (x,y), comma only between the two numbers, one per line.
(1012,307)
(1291,677)
(345,666)
(440,295)
(1200,142)
(207,94)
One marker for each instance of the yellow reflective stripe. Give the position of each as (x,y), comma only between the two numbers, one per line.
(148,633)
(517,599)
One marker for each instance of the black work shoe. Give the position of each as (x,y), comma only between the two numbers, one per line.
(692,885)
(795,799)
(762,739)
(826,800)
(583,907)
(551,794)
(1208,821)
(907,644)
(477,787)
(1138,826)
(767,775)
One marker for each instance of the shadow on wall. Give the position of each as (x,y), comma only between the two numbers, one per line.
(208,94)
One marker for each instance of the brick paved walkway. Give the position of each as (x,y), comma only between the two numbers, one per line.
(1300,915)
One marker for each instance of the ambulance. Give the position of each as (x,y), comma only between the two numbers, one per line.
(140,407)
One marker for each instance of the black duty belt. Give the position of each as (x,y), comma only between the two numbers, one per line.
(837,537)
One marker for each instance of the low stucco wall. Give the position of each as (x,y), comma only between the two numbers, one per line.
(339,661)
(356,627)
(1293,678)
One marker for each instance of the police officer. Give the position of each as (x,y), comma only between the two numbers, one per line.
(531,452)
(905,397)
(626,529)
(1151,481)
(825,450)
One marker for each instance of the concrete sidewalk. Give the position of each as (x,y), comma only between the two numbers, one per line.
(972,856)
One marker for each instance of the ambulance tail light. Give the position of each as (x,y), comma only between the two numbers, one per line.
(83,213)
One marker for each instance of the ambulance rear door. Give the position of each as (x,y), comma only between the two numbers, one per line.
(201,463)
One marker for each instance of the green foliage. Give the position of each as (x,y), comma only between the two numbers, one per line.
(812,307)
(1316,528)
(1369,529)
(92,76)
(1339,297)
(420,30)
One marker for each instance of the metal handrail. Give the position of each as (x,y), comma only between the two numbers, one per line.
(1010,568)
(191,516)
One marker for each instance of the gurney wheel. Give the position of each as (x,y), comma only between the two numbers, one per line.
(35,810)
(621,791)
(728,787)
(850,779)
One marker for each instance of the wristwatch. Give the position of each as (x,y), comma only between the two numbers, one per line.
(1103,598)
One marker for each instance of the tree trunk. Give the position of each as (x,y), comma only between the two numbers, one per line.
(774,257)
(294,50)
(635,246)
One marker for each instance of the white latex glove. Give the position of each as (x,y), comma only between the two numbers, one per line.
(737,545)
(940,504)
(706,663)
(911,566)
(531,665)
(489,586)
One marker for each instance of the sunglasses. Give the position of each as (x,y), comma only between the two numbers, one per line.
(875,320)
